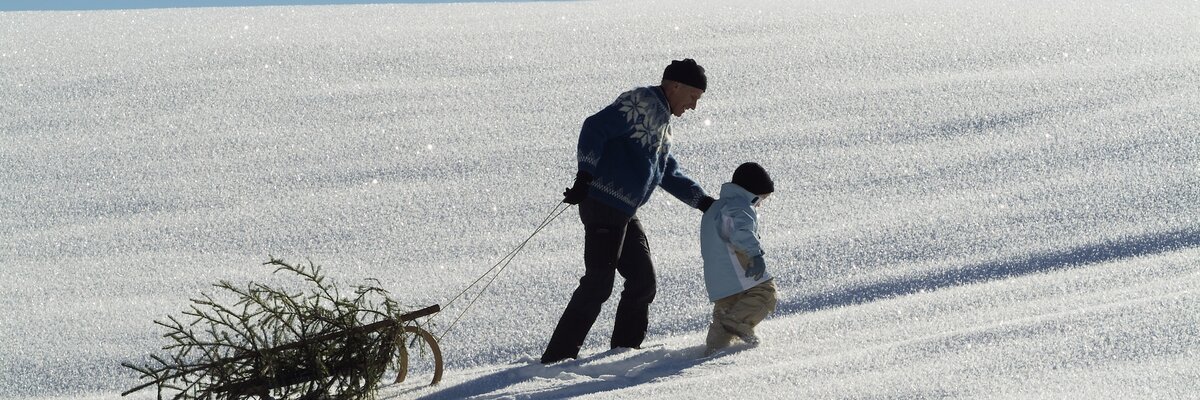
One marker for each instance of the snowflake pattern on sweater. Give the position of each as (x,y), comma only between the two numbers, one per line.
(648,120)
(626,147)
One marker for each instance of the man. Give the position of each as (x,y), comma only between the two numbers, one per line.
(624,154)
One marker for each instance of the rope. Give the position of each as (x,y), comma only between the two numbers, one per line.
(499,268)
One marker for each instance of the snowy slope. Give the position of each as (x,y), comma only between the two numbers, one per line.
(976,199)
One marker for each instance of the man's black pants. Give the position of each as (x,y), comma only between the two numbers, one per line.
(613,243)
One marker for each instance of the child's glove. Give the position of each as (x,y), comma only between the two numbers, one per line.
(758,267)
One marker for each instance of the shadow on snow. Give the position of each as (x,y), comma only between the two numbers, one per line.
(616,369)
(994,270)
(610,370)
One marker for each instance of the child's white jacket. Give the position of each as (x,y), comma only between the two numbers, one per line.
(728,241)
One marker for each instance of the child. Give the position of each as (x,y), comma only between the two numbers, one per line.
(734,271)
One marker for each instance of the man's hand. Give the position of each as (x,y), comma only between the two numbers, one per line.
(579,191)
(758,267)
(705,203)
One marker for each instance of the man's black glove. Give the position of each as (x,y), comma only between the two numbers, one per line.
(705,203)
(576,193)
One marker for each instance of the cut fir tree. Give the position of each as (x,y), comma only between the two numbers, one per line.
(270,343)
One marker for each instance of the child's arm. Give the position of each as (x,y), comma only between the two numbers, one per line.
(743,233)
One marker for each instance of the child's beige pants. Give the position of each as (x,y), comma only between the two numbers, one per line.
(737,315)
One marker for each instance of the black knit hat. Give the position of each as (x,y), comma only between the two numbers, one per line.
(686,72)
(753,178)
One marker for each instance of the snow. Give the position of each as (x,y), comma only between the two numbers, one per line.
(976,199)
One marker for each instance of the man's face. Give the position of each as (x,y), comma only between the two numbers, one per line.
(683,98)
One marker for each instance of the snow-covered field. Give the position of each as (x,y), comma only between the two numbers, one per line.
(982,199)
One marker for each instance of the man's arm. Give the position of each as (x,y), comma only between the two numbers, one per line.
(682,187)
(597,130)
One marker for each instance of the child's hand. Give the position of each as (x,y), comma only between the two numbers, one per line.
(758,267)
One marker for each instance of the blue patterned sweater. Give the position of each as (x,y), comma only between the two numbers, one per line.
(626,147)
